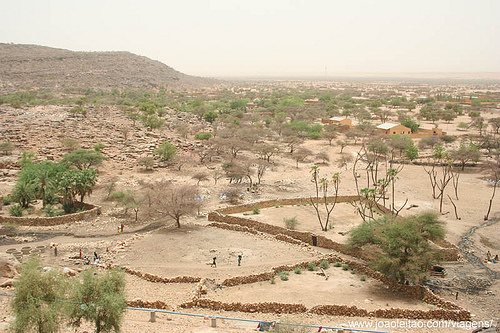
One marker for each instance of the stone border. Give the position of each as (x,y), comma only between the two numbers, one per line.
(331,310)
(90,212)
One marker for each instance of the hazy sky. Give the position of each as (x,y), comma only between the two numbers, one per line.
(271,37)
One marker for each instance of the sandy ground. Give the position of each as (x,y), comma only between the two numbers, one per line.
(187,251)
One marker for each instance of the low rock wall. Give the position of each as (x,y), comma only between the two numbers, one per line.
(90,212)
(156,278)
(331,310)
(282,202)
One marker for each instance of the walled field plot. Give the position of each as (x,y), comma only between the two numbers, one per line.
(171,252)
(311,289)
(343,219)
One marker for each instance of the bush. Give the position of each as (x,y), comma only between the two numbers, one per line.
(283,275)
(51,211)
(51,198)
(99,146)
(337,264)
(273,280)
(99,299)
(298,270)
(203,136)
(353,272)
(291,223)
(363,278)
(68,207)
(324,264)
(311,266)
(6,200)
(345,267)
(16,210)
(256,210)
(447,138)
(34,308)
(277,206)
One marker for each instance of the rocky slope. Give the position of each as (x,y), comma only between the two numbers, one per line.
(39,67)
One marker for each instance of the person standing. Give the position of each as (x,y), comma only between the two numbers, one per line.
(239,259)
(214,264)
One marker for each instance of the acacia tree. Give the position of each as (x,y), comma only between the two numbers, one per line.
(330,133)
(83,158)
(321,199)
(492,170)
(404,242)
(300,155)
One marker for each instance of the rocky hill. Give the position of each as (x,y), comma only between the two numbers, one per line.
(39,67)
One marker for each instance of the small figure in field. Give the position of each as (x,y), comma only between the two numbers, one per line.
(122,228)
(214,264)
(95,256)
(495,260)
(55,251)
(80,253)
(488,256)
(119,229)
(239,259)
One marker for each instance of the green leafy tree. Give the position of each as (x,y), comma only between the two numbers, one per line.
(411,124)
(166,151)
(210,116)
(98,298)
(148,108)
(404,242)
(153,122)
(411,151)
(134,116)
(23,193)
(36,306)
(76,182)
(83,158)
(466,153)
(128,200)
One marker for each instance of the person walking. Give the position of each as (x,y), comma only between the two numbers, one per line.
(214,264)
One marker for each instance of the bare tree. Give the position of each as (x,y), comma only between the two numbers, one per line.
(178,201)
(492,170)
(342,145)
(216,175)
(323,157)
(261,169)
(322,185)
(266,151)
(344,160)
(300,155)
(200,176)
(330,133)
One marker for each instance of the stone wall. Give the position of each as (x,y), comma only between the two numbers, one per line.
(282,202)
(90,212)
(155,278)
(331,310)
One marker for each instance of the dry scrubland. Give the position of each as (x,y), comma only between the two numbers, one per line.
(154,245)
